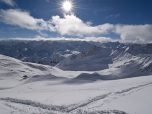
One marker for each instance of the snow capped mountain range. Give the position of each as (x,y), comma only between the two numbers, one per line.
(137,49)
(78,77)
(48,52)
(113,57)
(43,52)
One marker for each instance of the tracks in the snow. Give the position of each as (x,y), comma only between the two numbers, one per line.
(74,107)
(85,103)
(132,88)
(105,96)
(35,104)
(66,109)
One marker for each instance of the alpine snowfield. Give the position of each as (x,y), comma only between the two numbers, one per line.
(92,78)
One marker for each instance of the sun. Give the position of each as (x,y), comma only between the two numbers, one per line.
(67,5)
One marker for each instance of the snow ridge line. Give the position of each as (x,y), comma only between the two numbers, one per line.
(76,106)
(35,104)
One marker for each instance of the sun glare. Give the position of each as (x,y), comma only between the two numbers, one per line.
(67,6)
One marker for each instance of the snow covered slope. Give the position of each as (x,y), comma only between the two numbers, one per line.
(47,91)
(109,63)
(14,72)
(92,59)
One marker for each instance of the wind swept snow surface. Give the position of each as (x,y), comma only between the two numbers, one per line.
(48,90)
(87,80)
(126,96)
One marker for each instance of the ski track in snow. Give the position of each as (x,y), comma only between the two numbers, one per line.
(31,110)
(107,97)
(132,88)
(35,104)
(73,108)
(85,103)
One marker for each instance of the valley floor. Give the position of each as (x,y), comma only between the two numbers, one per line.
(65,96)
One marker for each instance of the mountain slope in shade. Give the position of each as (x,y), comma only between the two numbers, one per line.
(43,52)
(136,49)
(49,52)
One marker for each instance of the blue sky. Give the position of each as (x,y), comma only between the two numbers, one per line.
(125,20)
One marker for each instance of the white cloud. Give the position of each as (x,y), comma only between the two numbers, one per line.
(100,39)
(43,34)
(142,33)
(22,19)
(113,16)
(94,39)
(71,25)
(9,2)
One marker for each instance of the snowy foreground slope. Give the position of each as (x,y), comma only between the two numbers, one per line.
(30,88)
